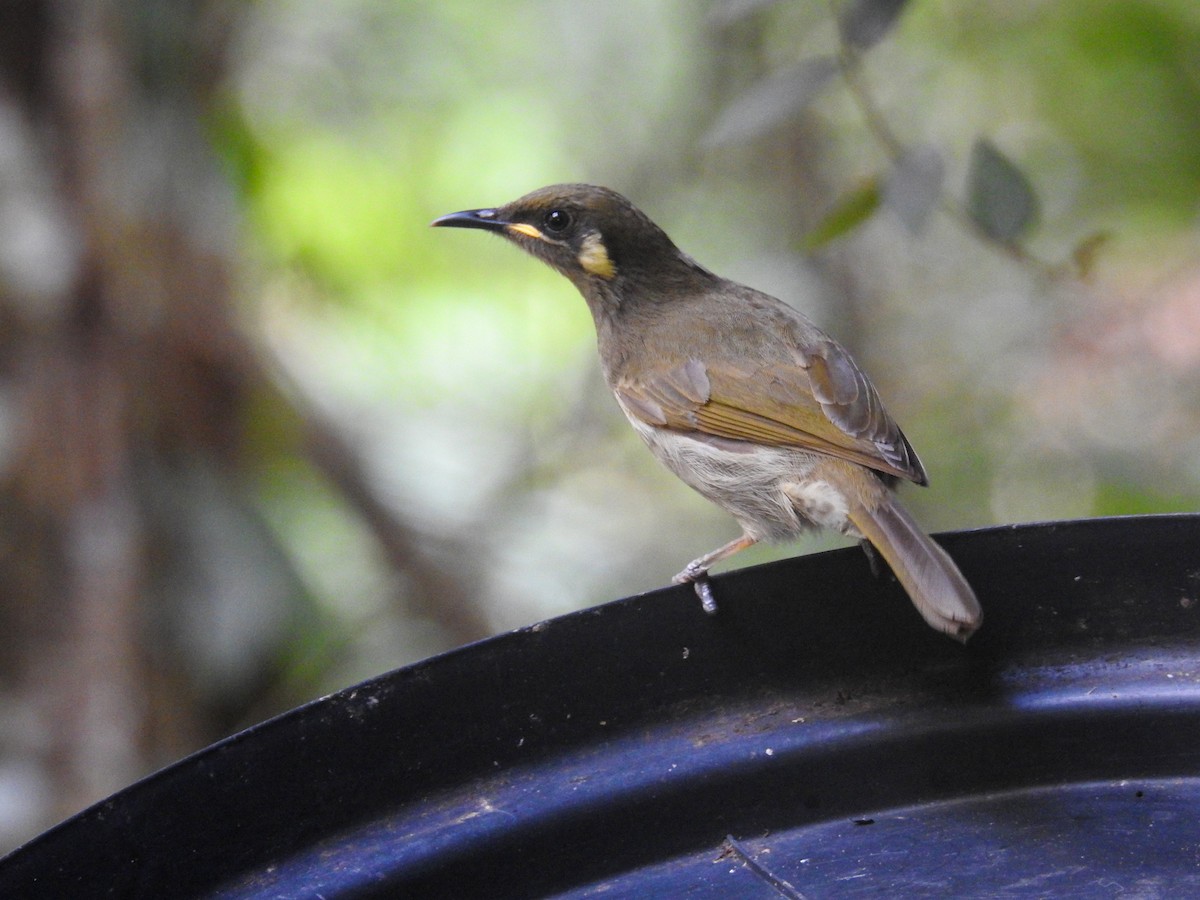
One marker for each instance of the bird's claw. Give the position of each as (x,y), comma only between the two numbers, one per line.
(704,592)
(697,577)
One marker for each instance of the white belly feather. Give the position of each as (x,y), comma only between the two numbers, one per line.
(771,491)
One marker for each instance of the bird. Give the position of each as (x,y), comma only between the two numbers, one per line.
(737,393)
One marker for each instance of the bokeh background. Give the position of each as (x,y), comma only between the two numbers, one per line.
(263,433)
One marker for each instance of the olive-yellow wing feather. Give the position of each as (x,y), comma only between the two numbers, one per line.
(822,402)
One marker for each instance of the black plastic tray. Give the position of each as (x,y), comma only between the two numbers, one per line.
(813,739)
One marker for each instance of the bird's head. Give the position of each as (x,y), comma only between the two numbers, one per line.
(590,234)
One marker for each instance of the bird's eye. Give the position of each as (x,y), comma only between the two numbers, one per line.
(557,221)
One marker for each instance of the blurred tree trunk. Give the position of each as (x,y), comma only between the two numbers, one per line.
(117,347)
(120,361)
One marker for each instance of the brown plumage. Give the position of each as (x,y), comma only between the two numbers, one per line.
(738,394)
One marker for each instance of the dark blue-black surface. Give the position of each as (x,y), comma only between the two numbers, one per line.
(813,739)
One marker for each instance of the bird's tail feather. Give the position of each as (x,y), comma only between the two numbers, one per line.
(932,580)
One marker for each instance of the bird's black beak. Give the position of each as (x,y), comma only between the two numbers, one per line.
(487,219)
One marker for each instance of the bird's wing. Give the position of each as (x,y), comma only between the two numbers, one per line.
(821,401)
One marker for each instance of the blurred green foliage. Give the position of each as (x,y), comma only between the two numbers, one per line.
(1108,89)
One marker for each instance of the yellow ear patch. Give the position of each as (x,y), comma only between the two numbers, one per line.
(527,230)
(593,257)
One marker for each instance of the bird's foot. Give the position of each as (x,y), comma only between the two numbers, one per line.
(874,561)
(697,577)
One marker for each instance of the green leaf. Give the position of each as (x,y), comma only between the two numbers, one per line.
(864,23)
(914,185)
(772,101)
(731,12)
(847,214)
(1085,252)
(1000,199)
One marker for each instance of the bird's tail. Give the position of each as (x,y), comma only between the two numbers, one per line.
(938,590)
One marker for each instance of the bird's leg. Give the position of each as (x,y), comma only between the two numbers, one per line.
(696,572)
(874,561)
